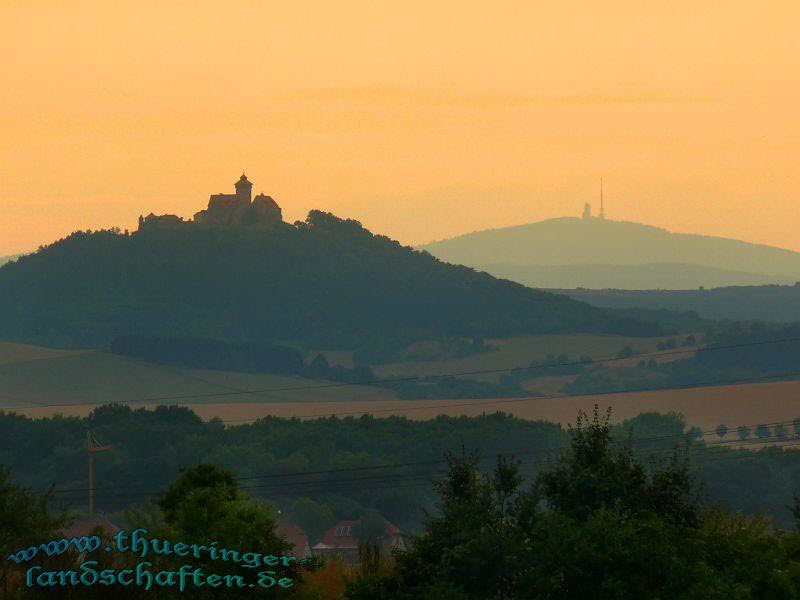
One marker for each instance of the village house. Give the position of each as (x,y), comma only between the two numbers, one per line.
(295,535)
(341,541)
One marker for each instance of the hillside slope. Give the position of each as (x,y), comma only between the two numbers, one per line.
(572,241)
(325,281)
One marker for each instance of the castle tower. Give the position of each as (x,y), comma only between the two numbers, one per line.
(244,189)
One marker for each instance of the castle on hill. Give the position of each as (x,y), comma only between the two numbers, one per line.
(237,209)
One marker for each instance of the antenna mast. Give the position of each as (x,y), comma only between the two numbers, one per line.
(602,212)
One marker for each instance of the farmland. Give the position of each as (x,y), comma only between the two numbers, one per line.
(704,407)
(74,382)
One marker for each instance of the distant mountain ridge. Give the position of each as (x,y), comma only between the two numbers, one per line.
(650,276)
(776,303)
(5,259)
(600,243)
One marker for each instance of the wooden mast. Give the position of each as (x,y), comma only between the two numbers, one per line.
(93,446)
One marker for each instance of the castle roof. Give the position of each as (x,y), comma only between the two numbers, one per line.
(243,179)
(262,198)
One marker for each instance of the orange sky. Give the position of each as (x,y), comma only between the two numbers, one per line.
(421,119)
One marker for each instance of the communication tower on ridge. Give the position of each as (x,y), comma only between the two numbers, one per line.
(602,214)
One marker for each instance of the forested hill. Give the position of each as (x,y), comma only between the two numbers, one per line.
(325,281)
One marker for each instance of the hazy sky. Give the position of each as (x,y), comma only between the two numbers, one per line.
(423,120)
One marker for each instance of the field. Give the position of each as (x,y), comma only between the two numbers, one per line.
(31,376)
(706,408)
(19,353)
(519,351)
(73,382)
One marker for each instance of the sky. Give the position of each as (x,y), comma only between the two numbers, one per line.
(422,120)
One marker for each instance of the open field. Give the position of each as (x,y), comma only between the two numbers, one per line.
(16,353)
(519,351)
(31,376)
(704,407)
(76,381)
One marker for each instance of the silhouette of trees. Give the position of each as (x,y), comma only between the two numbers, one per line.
(596,524)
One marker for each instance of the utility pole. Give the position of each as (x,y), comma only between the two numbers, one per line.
(93,446)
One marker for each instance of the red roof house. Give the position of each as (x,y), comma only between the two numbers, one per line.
(295,535)
(340,541)
(85,527)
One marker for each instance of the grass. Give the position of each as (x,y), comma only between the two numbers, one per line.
(96,377)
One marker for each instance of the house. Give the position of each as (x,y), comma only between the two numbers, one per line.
(85,527)
(295,535)
(340,540)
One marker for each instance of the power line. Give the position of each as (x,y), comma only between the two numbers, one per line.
(397,465)
(496,401)
(413,480)
(521,452)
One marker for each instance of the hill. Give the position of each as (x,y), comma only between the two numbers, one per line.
(650,276)
(584,252)
(778,303)
(324,282)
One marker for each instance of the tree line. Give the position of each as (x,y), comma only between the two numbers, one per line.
(319,471)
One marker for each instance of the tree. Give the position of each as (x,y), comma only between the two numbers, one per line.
(722,430)
(318,367)
(371,528)
(597,474)
(205,505)
(626,352)
(743,431)
(26,519)
(762,432)
(315,517)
